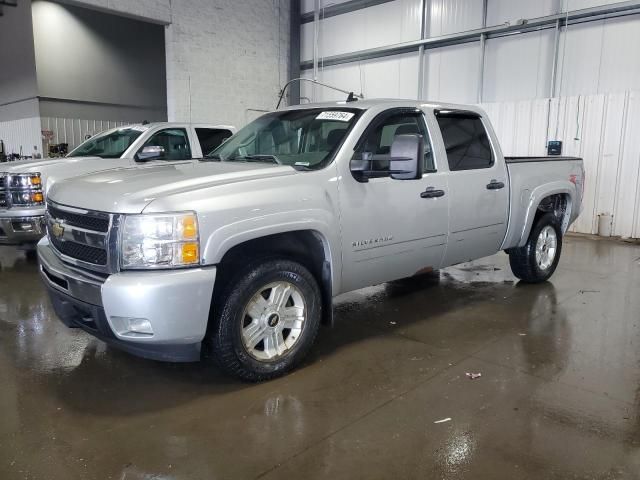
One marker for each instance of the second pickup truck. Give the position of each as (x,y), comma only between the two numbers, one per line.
(24,184)
(237,257)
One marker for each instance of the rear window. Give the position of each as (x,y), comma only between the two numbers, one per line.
(211,138)
(465,140)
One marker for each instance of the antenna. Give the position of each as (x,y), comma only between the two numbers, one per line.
(352,96)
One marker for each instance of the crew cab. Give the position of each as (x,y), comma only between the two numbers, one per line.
(24,184)
(236,258)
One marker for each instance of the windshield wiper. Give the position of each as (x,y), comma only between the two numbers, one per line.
(216,157)
(256,158)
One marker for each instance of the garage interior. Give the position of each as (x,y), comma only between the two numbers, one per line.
(390,389)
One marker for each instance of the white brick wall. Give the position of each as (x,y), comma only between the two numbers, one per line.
(223,56)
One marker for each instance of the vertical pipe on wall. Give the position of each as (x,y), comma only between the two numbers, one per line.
(483,41)
(294,52)
(316,34)
(425,10)
(554,77)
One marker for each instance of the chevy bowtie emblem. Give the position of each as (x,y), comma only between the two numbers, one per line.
(57,229)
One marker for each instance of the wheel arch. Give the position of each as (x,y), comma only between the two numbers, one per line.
(559,199)
(309,247)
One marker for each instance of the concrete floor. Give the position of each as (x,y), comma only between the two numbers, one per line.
(559,395)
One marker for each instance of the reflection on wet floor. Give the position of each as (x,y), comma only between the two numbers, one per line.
(559,395)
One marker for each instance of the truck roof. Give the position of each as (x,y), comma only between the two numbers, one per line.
(390,103)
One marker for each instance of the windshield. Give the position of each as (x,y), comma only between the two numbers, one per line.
(110,144)
(305,138)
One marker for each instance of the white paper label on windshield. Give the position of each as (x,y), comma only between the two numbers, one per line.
(339,116)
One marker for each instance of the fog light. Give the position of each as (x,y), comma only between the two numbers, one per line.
(133,327)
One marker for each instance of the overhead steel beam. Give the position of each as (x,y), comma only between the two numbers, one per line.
(532,24)
(342,8)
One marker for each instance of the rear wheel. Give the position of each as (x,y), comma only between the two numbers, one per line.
(537,260)
(266,321)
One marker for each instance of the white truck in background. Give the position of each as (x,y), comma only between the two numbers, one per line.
(24,184)
(239,255)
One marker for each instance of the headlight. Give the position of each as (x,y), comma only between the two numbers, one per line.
(160,241)
(22,189)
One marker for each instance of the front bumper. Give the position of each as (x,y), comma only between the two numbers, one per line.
(21,228)
(175,305)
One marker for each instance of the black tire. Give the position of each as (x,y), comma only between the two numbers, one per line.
(224,344)
(523,259)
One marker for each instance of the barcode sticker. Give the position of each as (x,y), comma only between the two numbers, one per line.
(339,116)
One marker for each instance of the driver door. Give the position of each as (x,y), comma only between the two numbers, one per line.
(392,228)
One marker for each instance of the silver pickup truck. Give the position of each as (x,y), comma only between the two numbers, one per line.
(236,258)
(24,184)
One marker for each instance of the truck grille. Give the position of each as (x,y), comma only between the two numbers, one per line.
(80,236)
(3,200)
(84,253)
(95,223)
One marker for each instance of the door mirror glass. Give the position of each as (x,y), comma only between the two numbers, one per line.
(407,157)
(150,152)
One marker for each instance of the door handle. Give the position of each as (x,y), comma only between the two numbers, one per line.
(432,193)
(495,185)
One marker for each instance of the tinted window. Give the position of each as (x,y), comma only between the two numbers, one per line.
(465,141)
(211,138)
(175,143)
(375,144)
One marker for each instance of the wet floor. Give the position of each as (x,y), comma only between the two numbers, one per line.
(559,395)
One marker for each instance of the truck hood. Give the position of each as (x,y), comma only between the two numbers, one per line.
(130,190)
(32,166)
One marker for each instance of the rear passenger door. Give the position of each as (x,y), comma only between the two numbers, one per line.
(478,186)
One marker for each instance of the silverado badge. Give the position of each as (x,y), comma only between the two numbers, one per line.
(57,229)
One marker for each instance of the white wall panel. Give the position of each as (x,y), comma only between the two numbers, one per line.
(602,129)
(620,64)
(383,24)
(452,16)
(501,11)
(627,196)
(21,136)
(451,73)
(518,66)
(389,77)
(579,4)
(600,57)
(579,58)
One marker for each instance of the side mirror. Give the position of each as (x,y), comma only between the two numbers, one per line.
(150,152)
(407,157)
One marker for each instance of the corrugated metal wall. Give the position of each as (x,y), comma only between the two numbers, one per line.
(21,136)
(74,130)
(596,57)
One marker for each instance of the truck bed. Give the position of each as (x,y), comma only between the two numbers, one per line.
(531,178)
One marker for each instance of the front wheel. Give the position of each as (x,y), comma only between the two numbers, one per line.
(536,261)
(266,320)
